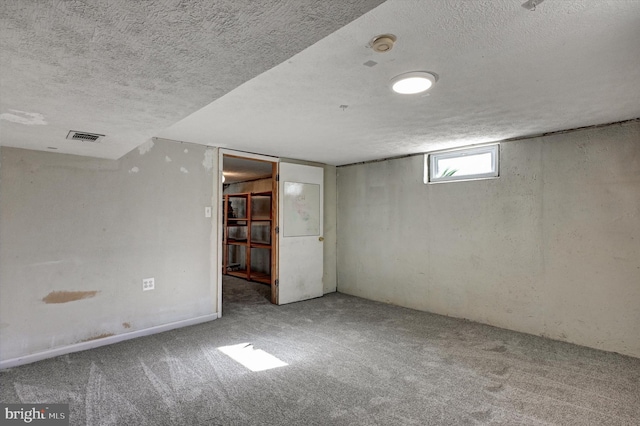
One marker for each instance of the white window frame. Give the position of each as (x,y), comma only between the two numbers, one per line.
(431,159)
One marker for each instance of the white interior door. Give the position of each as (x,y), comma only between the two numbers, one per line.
(300,214)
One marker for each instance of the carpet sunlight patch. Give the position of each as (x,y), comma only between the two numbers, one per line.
(253,359)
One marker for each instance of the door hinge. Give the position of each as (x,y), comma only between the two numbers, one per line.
(277,282)
(277,178)
(277,229)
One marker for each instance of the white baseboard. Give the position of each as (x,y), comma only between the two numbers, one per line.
(83,346)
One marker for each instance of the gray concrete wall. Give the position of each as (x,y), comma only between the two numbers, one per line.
(330,279)
(551,248)
(78,235)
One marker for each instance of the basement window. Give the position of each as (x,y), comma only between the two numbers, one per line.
(462,164)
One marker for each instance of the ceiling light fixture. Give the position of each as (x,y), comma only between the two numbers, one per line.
(413,82)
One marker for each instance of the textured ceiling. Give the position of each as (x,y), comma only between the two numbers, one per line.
(128,69)
(504,72)
(132,70)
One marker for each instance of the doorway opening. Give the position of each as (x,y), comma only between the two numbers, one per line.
(249,227)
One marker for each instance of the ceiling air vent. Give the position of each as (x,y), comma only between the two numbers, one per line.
(84,136)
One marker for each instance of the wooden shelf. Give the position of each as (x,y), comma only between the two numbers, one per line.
(261,277)
(242,273)
(261,245)
(237,242)
(257,209)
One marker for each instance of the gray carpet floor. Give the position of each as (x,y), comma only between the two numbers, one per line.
(350,362)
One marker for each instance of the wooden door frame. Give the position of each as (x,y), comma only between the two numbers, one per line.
(274,211)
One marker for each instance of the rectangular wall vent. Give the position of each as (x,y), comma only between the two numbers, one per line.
(84,136)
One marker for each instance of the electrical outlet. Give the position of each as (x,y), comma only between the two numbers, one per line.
(148,284)
(207,211)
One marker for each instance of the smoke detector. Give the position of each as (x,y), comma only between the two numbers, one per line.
(84,136)
(383,43)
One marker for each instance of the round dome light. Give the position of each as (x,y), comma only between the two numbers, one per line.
(412,82)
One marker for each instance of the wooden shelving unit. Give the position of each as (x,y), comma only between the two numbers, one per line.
(248,236)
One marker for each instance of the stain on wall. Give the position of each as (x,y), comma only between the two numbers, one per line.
(111,229)
(145,147)
(68,296)
(208,159)
(99,336)
(126,325)
(23,117)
